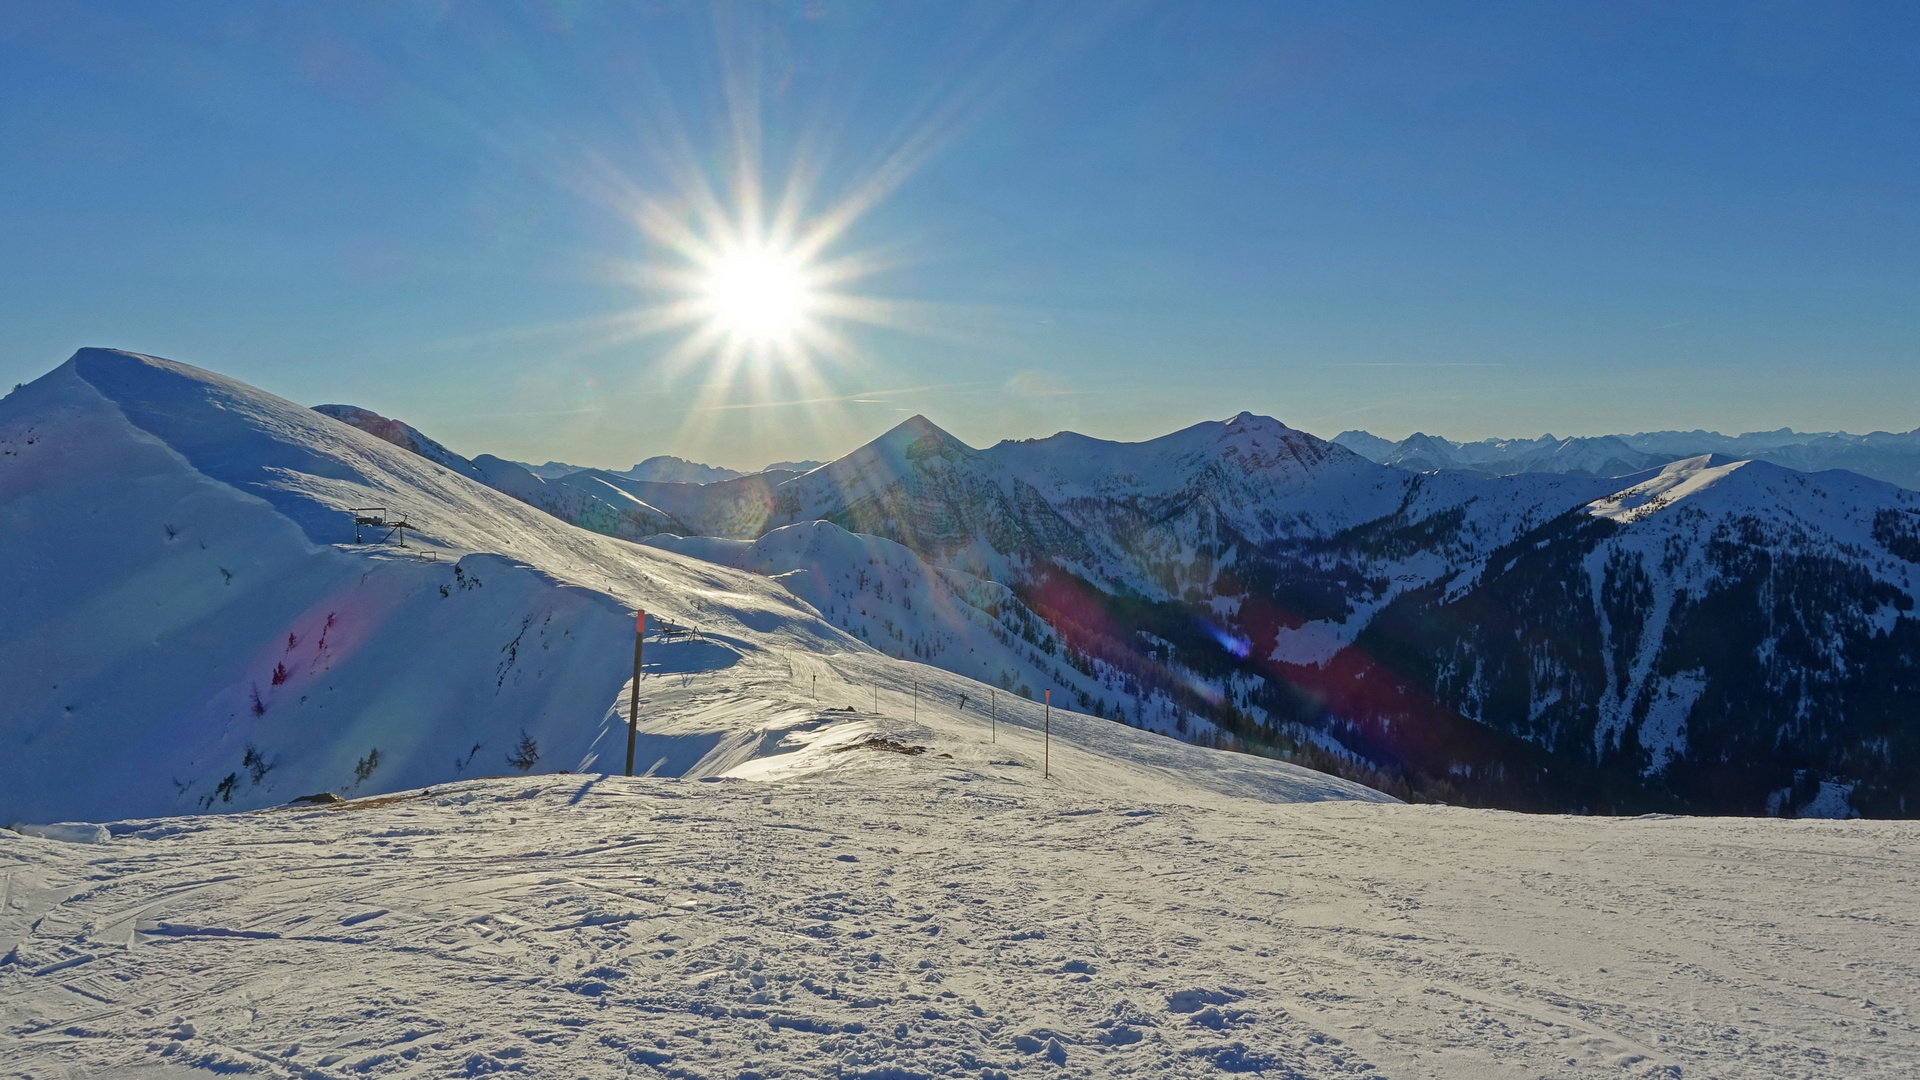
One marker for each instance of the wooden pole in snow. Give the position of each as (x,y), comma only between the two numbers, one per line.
(1046,770)
(633,703)
(916,701)
(993,702)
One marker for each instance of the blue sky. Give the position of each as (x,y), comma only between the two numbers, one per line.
(1468,219)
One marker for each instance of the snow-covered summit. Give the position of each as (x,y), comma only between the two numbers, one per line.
(913,445)
(552,470)
(667,469)
(1365,443)
(1670,485)
(805,466)
(1260,448)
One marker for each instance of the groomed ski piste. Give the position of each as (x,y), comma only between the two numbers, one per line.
(825,873)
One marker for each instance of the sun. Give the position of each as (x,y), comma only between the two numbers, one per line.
(757,295)
(762,285)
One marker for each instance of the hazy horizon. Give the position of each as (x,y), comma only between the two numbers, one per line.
(595,456)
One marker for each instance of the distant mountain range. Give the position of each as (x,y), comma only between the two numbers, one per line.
(663,469)
(1890,456)
(1711,634)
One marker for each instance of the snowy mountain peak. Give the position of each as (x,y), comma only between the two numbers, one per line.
(805,466)
(1253,430)
(1673,483)
(1249,421)
(915,429)
(907,444)
(97,365)
(667,469)
(552,470)
(1365,443)
(1254,446)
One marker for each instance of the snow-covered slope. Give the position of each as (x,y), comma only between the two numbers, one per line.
(661,494)
(189,625)
(918,916)
(1671,484)
(585,497)
(577,496)
(891,598)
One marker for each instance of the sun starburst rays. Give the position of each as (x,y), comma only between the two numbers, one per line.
(757,286)
(746,282)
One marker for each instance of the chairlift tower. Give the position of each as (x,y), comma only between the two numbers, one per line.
(375,517)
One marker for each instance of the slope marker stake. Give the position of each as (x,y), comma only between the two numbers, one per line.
(633,702)
(1046,771)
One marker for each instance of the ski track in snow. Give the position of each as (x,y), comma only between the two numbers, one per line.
(905,916)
